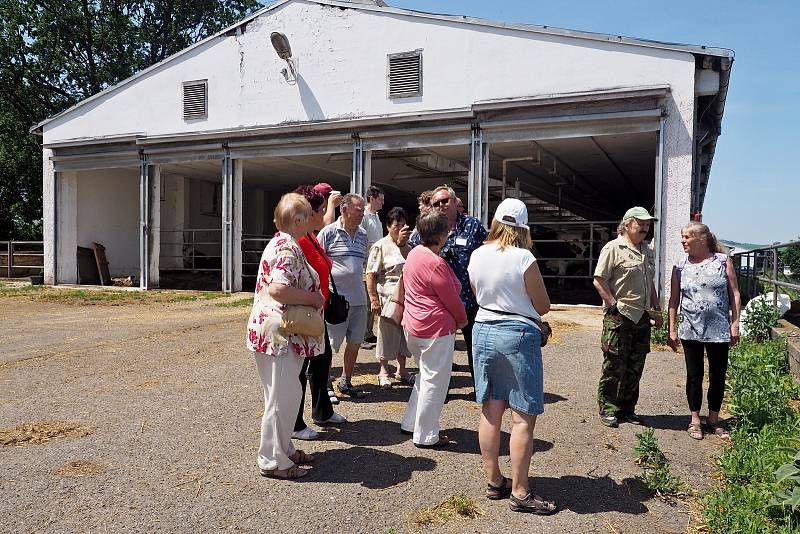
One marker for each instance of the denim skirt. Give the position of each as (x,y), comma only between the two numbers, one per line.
(508,364)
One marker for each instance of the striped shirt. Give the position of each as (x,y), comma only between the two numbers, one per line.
(349,256)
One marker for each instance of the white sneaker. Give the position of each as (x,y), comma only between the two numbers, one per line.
(307,434)
(336,418)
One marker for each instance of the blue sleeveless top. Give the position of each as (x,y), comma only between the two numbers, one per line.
(705,307)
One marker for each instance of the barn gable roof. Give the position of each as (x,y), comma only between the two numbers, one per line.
(380,6)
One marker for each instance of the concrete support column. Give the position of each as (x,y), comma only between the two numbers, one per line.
(362,169)
(677,165)
(478,182)
(49,199)
(154,227)
(238,199)
(66,228)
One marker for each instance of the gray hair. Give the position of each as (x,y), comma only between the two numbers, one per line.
(447,188)
(350,198)
(623,225)
(431,226)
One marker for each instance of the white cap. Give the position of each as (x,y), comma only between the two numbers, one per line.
(512,212)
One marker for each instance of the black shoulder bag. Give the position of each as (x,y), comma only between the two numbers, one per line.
(544,326)
(337,309)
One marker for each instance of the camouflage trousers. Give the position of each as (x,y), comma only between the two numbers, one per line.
(625,346)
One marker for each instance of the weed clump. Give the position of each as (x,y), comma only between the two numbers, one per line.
(656,474)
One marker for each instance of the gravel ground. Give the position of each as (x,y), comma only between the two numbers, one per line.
(174,403)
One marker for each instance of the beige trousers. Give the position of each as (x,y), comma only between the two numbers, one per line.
(282,395)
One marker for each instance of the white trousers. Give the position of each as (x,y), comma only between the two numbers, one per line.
(282,396)
(435,361)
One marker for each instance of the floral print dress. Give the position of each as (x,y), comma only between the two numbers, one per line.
(282,262)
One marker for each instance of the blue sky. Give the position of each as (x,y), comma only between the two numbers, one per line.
(754,192)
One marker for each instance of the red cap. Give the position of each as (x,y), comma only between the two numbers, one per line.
(323,188)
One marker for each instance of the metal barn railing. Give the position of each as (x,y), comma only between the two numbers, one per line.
(21,258)
(583,238)
(192,249)
(763,267)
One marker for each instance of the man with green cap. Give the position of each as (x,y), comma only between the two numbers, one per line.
(624,278)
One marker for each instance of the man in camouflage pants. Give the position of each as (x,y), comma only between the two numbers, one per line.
(624,278)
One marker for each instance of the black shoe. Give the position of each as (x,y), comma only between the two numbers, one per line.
(443,442)
(609,420)
(346,388)
(371,338)
(631,418)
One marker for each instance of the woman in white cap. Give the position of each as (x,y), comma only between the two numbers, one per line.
(506,344)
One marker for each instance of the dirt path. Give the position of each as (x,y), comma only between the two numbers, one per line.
(173,403)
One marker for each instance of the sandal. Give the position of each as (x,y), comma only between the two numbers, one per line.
(301,457)
(718,430)
(496,493)
(293,473)
(384,382)
(532,504)
(695,431)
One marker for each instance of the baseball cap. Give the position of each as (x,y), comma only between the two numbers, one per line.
(638,212)
(323,188)
(512,212)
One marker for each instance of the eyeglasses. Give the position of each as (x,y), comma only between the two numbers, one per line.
(440,202)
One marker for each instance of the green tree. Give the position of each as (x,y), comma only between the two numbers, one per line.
(791,258)
(55,54)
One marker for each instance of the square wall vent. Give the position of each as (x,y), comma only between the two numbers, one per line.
(195,100)
(405,74)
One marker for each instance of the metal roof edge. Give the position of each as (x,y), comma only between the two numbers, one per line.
(547,30)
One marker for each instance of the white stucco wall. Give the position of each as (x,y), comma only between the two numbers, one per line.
(341,55)
(172,221)
(108,213)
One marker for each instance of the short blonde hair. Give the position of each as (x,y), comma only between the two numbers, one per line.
(506,235)
(290,207)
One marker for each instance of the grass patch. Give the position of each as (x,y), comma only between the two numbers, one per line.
(656,474)
(456,506)
(41,432)
(104,296)
(238,303)
(79,468)
(760,395)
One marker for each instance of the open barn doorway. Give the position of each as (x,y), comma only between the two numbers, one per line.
(576,189)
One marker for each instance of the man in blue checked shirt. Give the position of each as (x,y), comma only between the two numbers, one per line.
(466,234)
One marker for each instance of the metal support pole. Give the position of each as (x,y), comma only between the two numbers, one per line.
(144,212)
(357,179)
(659,207)
(227,222)
(774,277)
(478,183)
(10,256)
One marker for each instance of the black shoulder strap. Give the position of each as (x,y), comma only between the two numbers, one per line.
(508,313)
(330,269)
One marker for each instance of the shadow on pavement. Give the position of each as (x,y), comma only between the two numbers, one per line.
(666,422)
(552,398)
(366,432)
(352,465)
(591,495)
(466,441)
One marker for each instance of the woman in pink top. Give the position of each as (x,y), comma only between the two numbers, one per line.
(433,312)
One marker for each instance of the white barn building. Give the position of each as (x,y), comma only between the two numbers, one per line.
(179,167)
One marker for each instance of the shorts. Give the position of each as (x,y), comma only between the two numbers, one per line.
(352,329)
(391,341)
(508,364)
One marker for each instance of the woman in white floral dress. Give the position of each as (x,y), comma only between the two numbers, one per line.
(284,278)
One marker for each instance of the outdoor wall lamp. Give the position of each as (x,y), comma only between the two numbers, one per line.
(281,45)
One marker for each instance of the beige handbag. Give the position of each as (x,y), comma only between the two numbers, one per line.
(302,321)
(393,308)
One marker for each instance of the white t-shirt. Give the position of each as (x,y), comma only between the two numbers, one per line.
(374,227)
(499,281)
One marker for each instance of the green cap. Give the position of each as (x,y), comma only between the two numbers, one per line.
(638,212)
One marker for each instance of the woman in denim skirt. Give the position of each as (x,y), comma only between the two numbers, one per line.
(506,344)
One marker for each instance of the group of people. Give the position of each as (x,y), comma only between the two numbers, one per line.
(447,274)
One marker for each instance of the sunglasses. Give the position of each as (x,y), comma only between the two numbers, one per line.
(440,203)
